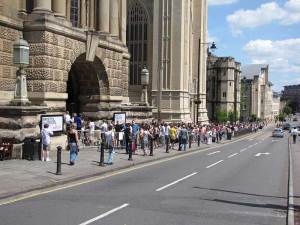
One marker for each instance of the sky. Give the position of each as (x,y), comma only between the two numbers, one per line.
(259,31)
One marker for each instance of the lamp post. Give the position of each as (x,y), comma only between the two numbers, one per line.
(198,101)
(145,83)
(21,60)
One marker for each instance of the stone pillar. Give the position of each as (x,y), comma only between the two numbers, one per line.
(92,14)
(104,13)
(123,20)
(114,18)
(22,6)
(59,8)
(42,6)
(68,13)
(83,14)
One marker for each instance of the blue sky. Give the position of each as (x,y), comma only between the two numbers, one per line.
(259,31)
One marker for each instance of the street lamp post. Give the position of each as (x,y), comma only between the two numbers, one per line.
(21,60)
(145,83)
(198,100)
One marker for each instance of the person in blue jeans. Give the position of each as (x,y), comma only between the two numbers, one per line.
(109,139)
(183,136)
(73,142)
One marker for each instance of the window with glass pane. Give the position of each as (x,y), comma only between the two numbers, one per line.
(137,40)
(74,13)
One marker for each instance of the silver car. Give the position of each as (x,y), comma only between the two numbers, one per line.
(278,133)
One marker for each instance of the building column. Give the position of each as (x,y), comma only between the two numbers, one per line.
(123,20)
(92,14)
(42,6)
(114,18)
(104,13)
(68,13)
(59,8)
(22,6)
(83,14)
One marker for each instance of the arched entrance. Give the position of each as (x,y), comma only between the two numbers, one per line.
(86,83)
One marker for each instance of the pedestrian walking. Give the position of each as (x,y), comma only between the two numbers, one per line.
(73,143)
(294,133)
(183,136)
(109,140)
(46,140)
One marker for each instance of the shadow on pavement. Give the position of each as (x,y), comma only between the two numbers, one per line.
(236,192)
(255,205)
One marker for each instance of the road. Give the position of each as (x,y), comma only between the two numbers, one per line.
(243,183)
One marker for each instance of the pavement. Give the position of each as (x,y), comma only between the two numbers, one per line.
(35,175)
(295,151)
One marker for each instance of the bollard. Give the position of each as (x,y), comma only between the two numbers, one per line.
(58,163)
(102,150)
(198,137)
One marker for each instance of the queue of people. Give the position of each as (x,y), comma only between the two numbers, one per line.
(148,136)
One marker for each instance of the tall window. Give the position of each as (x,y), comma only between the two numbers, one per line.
(137,36)
(74,14)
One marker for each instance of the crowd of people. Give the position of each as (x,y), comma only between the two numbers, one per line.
(147,136)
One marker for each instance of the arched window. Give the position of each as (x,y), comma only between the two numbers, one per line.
(137,37)
(74,13)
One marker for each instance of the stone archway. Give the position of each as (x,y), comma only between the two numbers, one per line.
(87,81)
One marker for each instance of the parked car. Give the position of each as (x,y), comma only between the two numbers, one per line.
(278,132)
(295,119)
(298,128)
(286,126)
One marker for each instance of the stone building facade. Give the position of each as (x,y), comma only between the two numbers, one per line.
(78,61)
(164,37)
(223,86)
(256,92)
(291,93)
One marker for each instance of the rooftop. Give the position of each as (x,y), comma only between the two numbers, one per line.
(251,70)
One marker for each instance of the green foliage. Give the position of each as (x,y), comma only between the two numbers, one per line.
(253,118)
(221,116)
(231,116)
(281,116)
(287,110)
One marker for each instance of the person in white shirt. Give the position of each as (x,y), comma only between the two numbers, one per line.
(294,133)
(46,140)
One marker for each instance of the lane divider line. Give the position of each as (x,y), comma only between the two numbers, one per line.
(214,164)
(213,153)
(232,155)
(177,181)
(104,214)
(244,149)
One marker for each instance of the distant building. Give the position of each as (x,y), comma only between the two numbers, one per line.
(276,104)
(223,86)
(292,94)
(256,91)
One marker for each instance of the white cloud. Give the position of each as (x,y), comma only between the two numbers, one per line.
(221,2)
(267,13)
(282,56)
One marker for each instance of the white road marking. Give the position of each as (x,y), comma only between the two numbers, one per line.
(250,146)
(232,155)
(175,182)
(250,139)
(244,149)
(213,153)
(255,144)
(214,164)
(104,214)
(260,154)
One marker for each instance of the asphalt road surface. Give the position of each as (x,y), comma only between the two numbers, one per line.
(243,183)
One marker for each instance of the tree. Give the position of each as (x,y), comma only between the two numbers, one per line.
(287,110)
(253,118)
(231,116)
(281,116)
(222,116)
